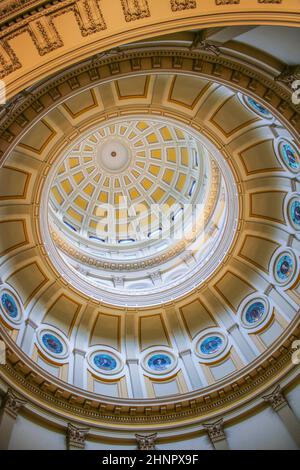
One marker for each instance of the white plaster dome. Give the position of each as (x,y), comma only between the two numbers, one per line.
(139,211)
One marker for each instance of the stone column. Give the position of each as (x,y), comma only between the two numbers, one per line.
(280,405)
(146,442)
(78,374)
(190,368)
(76,437)
(9,411)
(216,434)
(133,367)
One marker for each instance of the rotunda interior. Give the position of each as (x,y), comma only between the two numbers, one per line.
(150,225)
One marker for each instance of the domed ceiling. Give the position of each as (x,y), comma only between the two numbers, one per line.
(124,313)
(136,208)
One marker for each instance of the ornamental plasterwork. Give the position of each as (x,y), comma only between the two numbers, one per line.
(233,73)
(8,59)
(76,436)
(178,5)
(289,74)
(12,403)
(227,2)
(146,442)
(43,33)
(276,399)
(215,430)
(135,9)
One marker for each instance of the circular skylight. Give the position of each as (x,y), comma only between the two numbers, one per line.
(137,211)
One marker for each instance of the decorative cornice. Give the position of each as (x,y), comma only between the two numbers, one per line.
(276,399)
(146,442)
(233,73)
(63,398)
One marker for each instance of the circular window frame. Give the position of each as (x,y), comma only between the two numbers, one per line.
(277,254)
(245,304)
(281,141)
(154,351)
(104,350)
(290,198)
(244,99)
(59,358)
(218,354)
(11,322)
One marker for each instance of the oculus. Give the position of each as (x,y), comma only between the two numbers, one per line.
(52,343)
(289,154)
(294,213)
(292,208)
(10,308)
(211,345)
(159,362)
(257,107)
(105,362)
(122,199)
(254,311)
(284,268)
(9,305)
(214,343)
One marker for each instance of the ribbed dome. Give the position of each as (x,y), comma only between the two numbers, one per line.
(151,230)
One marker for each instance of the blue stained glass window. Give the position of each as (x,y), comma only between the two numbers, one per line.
(52,343)
(255,312)
(259,108)
(159,362)
(9,305)
(285,267)
(211,345)
(295,212)
(105,362)
(290,156)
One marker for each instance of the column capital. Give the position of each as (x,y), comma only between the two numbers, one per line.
(132,360)
(79,352)
(276,399)
(76,436)
(185,352)
(12,403)
(31,323)
(215,430)
(232,327)
(146,442)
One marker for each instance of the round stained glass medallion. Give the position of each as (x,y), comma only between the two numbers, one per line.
(105,362)
(290,156)
(294,212)
(9,305)
(159,362)
(257,107)
(52,343)
(255,313)
(284,268)
(211,345)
